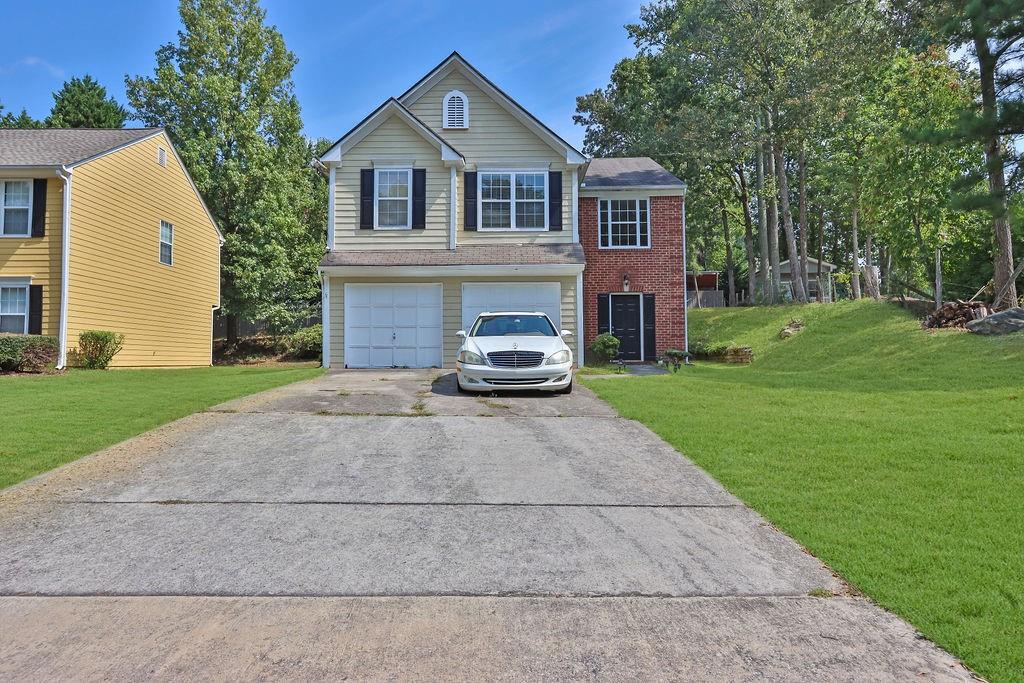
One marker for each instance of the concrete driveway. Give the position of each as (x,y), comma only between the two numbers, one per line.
(379,525)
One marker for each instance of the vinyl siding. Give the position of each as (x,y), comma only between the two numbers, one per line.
(393,139)
(451,309)
(39,257)
(495,137)
(116,280)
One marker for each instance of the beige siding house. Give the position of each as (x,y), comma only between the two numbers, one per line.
(446,201)
(105,230)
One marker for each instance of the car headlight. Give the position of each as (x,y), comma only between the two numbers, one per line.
(471,358)
(558,358)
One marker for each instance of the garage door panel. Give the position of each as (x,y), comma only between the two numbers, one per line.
(393,324)
(521,296)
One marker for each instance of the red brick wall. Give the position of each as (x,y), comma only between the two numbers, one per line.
(658,270)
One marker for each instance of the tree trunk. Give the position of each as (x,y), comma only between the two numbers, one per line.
(803,219)
(787,222)
(762,229)
(821,251)
(730,269)
(869,268)
(231,323)
(748,236)
(996,178)
(938,279)
(855,270)
(773,228)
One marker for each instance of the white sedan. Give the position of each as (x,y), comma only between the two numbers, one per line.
(514,350)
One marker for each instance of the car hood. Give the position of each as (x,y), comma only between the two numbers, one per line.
(485,345)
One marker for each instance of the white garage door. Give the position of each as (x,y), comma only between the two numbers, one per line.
(478,297)
(392,326)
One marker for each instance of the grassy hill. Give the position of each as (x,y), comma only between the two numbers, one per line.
(894,454)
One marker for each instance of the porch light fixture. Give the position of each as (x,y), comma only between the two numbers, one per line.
(625,282)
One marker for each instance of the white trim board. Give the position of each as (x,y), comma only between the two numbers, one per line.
(543,270)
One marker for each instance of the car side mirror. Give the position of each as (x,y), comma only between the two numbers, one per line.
(461,334)
(566,333)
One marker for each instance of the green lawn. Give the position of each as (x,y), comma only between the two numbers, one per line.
(894,455)
(49,420)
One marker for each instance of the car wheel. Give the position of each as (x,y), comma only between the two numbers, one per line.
(461,389)
(568,388)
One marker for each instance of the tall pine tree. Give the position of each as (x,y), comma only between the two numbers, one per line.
(83,103)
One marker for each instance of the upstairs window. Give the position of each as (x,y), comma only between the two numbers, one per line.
(393,207)
(513,200)
(455,110)
(625,224)
(166,243)
(16,205)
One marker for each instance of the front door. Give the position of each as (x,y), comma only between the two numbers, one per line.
(626,325)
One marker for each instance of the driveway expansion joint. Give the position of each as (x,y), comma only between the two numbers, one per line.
(667,506)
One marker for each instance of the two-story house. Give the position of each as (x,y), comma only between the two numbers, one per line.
(104,229)
(452,199)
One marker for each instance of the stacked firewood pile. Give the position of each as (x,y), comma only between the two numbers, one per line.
(957,314)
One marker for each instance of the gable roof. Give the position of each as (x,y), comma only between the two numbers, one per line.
(457,61)
(52,147)
(629,173)
(390,107)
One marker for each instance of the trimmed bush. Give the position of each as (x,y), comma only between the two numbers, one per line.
(27,352)
(605,347)
(306,342)
(96,348)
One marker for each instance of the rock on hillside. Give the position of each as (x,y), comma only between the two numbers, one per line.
(1004,322)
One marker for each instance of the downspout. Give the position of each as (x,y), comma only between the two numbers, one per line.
(686,317)
(454,210)
(65,254)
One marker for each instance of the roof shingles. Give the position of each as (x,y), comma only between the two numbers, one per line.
(62,146)
(627,172)
(489,255)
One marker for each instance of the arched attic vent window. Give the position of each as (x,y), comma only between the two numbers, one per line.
(455,112)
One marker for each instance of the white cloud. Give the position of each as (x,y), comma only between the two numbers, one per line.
(33,62)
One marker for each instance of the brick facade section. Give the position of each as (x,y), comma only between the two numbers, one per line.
(658,270)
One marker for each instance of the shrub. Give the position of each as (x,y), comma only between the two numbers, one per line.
(306,342)
(27,353)
(705,348)
(605,347)
(96,348)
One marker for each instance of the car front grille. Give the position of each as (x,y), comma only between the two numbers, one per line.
(500,381)
(515,359)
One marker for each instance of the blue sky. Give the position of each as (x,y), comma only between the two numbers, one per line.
(352,55)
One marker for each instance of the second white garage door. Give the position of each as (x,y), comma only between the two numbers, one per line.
(392,325)
(478,297)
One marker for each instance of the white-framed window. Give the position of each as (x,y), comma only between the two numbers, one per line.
(513,200)
(392,206)
(161,156)
(166,243)
(15,208)
(455,110)
(624,224)
(14,309)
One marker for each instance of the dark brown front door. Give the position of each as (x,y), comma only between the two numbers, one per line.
(625,325)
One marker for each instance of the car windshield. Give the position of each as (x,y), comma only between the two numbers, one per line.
(514,326)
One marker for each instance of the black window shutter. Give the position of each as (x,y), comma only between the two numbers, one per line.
(650,341)
(419,198)
(39,207)
(366,199)
(35,309)
(602,313)
(469,203)
(554,200)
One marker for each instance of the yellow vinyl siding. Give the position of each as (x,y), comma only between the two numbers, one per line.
(116,280)
(393,139)
(495,137)
(39,257)
(451,309)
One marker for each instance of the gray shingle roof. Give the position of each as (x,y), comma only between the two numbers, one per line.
(629,172)
(57,146)
(489,255)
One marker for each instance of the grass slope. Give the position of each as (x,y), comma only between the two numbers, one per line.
(49,420)
(895,455)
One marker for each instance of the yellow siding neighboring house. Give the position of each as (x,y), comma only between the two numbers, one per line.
(38,258)
(116,280)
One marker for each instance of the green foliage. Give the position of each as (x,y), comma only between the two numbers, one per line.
(225,93)
(96,348)
(27,353)
(891,453)
(704,347)
(83,103)
(605,347)
(306,343)
(22,120)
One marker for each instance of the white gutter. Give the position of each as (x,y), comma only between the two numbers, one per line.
(331,177)
(453,222)
(686,317)
(538,270)
(65,255)
(575,206)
